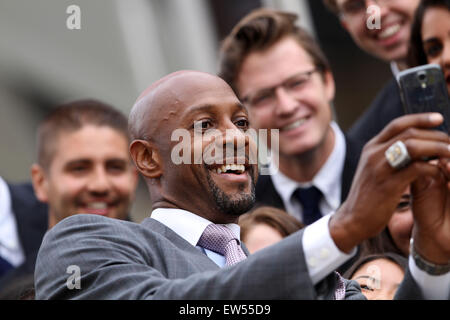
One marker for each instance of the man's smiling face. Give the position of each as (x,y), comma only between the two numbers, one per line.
(90,172)
(199,103)
(390,41)
(284,90)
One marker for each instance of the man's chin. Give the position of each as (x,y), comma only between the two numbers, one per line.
(237,207)
(296,150)
(235,202)
(101,212)
(105,213)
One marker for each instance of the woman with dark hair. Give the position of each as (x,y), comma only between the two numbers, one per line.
(397,234)
(378,275)
(430,36)
(265,226)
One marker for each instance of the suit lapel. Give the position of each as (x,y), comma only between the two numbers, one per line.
(351,162)
(244,248)
(266,193)
(200,258)
(31,217)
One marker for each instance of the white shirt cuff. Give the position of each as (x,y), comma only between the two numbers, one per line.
(433,287)
(321,254)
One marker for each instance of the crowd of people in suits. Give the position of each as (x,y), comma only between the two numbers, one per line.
(335,219)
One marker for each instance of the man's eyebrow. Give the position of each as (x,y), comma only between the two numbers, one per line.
(77,162)
(241,107)
(434,39)
(88,161)
(210,107)
(116,160)
(200,108)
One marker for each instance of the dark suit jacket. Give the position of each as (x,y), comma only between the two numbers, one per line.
(386,107)
(266,195)
(32,222)
(124,260)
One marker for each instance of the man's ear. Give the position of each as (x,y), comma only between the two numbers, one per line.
(40,183)
(146,158)
(330,87)
(343,24)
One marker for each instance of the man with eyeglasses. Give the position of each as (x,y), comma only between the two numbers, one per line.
(282,76)
(389,43)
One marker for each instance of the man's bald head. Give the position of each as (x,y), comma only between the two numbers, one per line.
(166,97)
(174,119)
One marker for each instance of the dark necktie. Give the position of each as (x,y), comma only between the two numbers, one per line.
(220,239)
(309,199)
(4,266)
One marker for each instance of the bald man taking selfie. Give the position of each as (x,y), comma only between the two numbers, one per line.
(190,248)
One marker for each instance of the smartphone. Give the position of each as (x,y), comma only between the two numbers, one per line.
(423,89)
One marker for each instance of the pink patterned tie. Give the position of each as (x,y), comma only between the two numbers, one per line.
(339,294)
(220,239)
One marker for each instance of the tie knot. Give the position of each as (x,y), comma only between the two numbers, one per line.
(309,197)
(216,237)
(220,239)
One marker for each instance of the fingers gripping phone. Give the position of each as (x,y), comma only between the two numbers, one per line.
(423,89)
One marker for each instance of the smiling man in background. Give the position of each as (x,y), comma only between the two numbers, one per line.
(388,43)
(83,166)
(280,73)
(83,162)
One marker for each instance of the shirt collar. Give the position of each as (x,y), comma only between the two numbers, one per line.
(394,68)
(186,224)
(327,180)
(5,199)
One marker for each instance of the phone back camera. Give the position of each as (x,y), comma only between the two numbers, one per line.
(422,76)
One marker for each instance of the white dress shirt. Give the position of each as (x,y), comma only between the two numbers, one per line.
(10,248)
(394,68)
(328,180)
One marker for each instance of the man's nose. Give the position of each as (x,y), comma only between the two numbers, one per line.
(446,56)
(99,181)
(381,5)
(286,103)
(234,136)
(234,142)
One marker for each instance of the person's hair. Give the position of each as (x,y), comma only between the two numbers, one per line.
(380,244)
(398,259)
(71,117)
(278,219)
(416,53)
(258,31)
(18,287)
(332,6)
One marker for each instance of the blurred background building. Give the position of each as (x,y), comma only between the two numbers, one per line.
(123,46)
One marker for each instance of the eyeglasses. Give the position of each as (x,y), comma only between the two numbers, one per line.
(267,97)
(353,8)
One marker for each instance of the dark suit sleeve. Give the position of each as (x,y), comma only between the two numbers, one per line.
(408,290)
(386,107)
(32,223)
(117,263)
